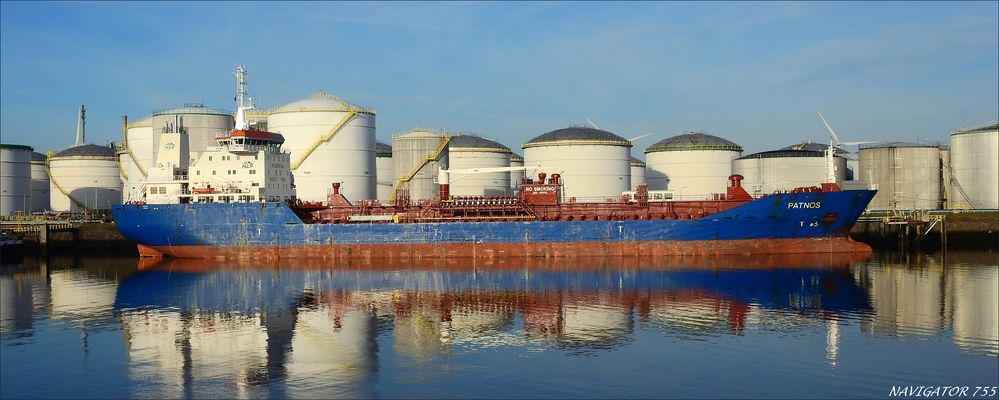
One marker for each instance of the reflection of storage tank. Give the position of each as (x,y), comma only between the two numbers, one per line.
(973,294)
(15,178)
(39,183)
(974,161)
(135,157)
(907,175)
(76,296)
(469,151)
(383,168)
(594,164)
(588,323)
(330,140)
(416,158)
(905,301)
(770,171)
(691,164)
(637,173)
(516,160)
(84,177)
(201,124)
(334,345)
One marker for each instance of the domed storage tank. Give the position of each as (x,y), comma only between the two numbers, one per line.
(383,170)
(135,157)
(637,173)
(15,179)
(852,161)
(84,177)
(770,171)
(470,151)
(907,175)
(693,164)
(202,125)
(974,162)
(39,183)
(595,164)
(516,160)
(330,140)
(417,156)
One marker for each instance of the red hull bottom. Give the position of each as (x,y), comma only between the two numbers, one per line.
(491,250)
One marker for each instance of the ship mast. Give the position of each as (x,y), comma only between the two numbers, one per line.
(243,102)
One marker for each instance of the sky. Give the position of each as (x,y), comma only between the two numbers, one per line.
(756,73)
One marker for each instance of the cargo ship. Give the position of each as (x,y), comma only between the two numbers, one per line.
(189,211)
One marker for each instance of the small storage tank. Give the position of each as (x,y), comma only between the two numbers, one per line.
(516,160)
(637,173)
(693,164)
(417,156)
(594,164)
(782,170)
(15,179)
(84,177)
(907,175)
(202,124)
(470,151)
(330,140)
(383,170)
(974,162)
(135,157)
(39,183)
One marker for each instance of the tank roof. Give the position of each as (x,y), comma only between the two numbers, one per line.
(635,162)
(141,122)
(86,150)
(191,108)
(15,147)
(36,156)
(784,153)
(516,157)
(693,141)
(984,128)
(899,144)
(813,146)
(476,143)
(577,135)
(321,101)
(421,133)
(382,149)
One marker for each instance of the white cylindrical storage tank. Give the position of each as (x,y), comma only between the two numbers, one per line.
(412,171)
(852,161)
(595,164)
(693,164)
(782,170)
(469,151)
(15,179)
(39,183)
(974,162)
(516,160)
(84,177)
(907,175)
(330,140)
(383,171)
(136,157)
(637,173)
(202,125)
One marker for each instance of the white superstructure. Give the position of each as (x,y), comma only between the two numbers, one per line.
(974,165)
(692,165)
(15,179)
(470,151)
(202,124)
(594,164)
(330,140)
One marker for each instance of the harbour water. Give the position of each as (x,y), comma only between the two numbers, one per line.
(783,326)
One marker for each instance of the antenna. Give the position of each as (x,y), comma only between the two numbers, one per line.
(591,123)
(243,103)
(81,126)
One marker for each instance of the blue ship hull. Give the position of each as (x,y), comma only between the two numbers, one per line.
(791,223)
